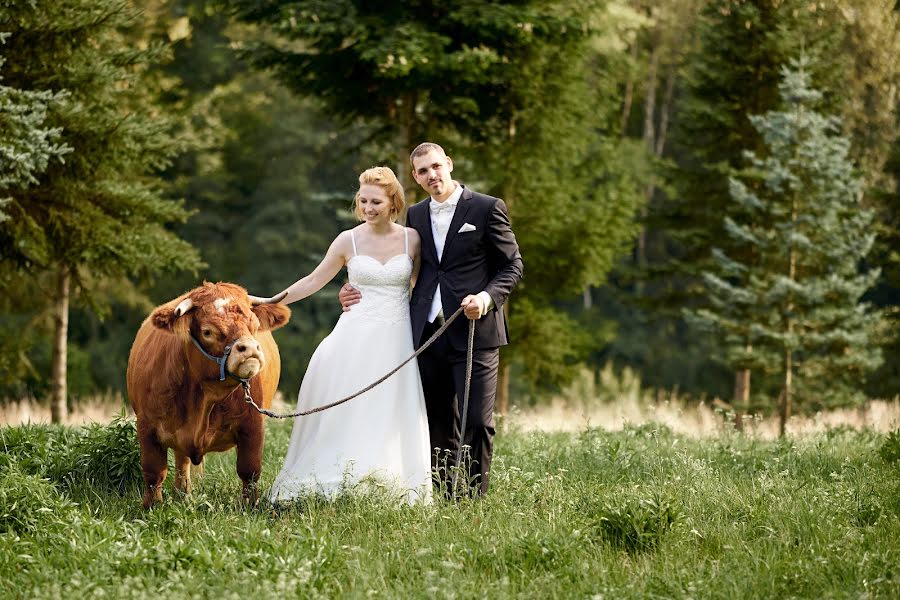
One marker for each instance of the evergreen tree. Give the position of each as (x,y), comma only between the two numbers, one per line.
(733,72)
(797,300)
(27,143)
(27,146)
(103,212)
(406,69)
(572,191)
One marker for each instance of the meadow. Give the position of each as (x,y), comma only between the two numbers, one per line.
(641,512)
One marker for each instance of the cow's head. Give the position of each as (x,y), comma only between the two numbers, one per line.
(218,314)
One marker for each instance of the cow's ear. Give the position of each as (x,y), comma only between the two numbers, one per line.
(272,316)
(163,318)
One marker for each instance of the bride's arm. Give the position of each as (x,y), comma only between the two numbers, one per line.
(415,247)
(334,260)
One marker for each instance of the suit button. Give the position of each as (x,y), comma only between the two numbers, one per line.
(440,271)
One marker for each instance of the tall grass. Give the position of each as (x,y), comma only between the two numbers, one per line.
(636,513)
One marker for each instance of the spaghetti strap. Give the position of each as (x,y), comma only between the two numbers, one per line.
(353,241)
(406,238)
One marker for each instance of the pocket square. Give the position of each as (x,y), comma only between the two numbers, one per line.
(466,227)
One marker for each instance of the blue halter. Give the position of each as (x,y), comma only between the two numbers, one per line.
(219,360)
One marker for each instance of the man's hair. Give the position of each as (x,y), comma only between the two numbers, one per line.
(425,148)
(385,178)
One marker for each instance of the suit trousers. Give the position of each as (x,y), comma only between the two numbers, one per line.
(443,371)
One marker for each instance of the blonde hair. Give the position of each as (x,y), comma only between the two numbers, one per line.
(384,177)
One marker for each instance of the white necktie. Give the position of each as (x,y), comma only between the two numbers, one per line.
(441,215)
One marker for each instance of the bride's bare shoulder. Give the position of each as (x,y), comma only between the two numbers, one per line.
(412,233)
(344,242)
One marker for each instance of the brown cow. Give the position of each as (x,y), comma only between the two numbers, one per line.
(178,393)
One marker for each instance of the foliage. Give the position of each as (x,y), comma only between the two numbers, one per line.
(586,189)
(636,524)
(731,71)
(890,449)
(272,175)
(477,76)
(102,215)
(776,519)
(30,504)
(35,449)
(102,209)
(27,143)
(410,70)
(797,214)
(104,457)
(560,108)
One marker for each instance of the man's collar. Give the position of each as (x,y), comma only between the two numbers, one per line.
(455,196)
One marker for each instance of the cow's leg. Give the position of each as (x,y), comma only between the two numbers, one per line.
(154,466)
(182,472)
(249,458)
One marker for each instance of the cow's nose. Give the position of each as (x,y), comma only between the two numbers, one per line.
(244,347)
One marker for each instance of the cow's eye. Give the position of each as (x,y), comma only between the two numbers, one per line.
(207,333)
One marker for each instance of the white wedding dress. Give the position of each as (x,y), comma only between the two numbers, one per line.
(381,437)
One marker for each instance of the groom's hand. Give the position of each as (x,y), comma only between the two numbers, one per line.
(473,306)
(349,296)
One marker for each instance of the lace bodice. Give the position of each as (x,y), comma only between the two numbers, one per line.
(384,287)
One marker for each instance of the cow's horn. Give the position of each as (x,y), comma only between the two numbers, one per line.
(254,300)
(183,306)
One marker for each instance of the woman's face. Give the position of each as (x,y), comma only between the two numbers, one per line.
(374,204)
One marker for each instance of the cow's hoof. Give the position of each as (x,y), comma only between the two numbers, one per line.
(152,497)
(151,503)
(250,495)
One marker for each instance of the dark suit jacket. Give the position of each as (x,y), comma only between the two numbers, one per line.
(486,259)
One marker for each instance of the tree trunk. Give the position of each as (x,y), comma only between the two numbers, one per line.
(664,109)
(629,89)
(501,407)
(786,392)
(59,392)
(789,328)
(741,397)
(405,114)
(649,137)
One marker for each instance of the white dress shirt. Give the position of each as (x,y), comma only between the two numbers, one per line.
(441,215)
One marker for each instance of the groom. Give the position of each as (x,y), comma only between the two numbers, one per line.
(470,258)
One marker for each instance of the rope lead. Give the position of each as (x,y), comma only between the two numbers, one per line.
(302,413)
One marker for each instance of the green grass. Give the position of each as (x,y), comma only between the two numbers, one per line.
(640,513)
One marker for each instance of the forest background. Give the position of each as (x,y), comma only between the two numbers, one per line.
(704,191)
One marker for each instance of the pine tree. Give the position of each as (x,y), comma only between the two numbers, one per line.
(103,212)
(799,218)
(733,72)
(413,70)
(570,185)
(27,143)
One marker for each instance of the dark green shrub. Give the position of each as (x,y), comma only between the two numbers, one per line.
(107,457)
(890,448)
(35,448)
(29,502)
(637,524)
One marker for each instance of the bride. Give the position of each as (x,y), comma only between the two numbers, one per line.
(380,437)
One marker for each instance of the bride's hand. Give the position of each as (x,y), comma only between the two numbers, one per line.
(271,300)
(349,296)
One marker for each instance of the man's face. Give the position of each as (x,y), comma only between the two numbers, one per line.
(432,172)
